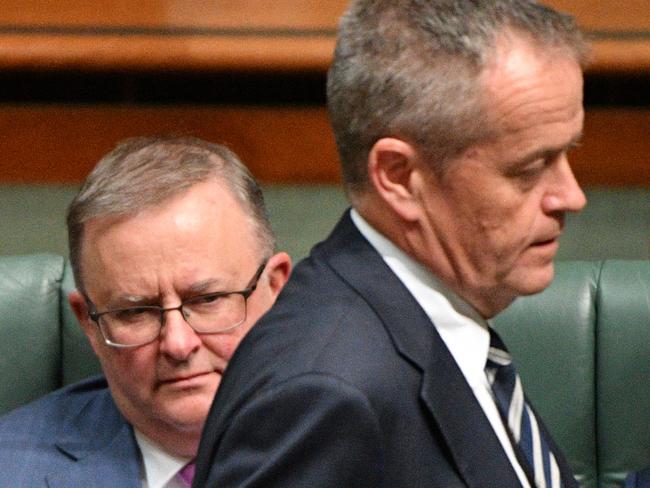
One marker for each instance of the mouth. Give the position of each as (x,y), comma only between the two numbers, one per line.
(549,246)
(192,380)
(546,242)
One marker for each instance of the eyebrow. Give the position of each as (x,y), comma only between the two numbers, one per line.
(127,301)
(122,301)
(202,286)
(544,153)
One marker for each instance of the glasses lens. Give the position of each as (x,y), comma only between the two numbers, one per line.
(132,326)
(215,313)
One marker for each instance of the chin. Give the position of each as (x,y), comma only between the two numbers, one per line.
(189,413)
(534,280)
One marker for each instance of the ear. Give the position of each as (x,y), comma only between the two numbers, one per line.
(392,167)
(80,309)
(278,270)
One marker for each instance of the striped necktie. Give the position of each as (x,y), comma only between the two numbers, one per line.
(518,416)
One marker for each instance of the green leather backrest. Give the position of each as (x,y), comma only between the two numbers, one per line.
(79,360)
(41,345)
(582,348)
(30,340)
(552,338)
(623,374)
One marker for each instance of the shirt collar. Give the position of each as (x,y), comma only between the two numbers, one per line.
(463,330)
(159,466)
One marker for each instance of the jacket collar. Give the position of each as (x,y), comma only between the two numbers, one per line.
(100,445)
(473,445)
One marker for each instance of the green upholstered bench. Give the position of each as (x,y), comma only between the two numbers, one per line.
(582,347)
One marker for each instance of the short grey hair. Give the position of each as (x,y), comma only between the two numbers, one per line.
(143,172)
(411,69)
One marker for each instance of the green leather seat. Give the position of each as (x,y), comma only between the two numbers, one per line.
(41,345)
(582,348)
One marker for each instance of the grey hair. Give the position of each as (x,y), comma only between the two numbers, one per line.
(143,172)
(411,69)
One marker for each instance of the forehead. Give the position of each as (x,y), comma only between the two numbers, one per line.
(532,98)
(199,232)
(525,79)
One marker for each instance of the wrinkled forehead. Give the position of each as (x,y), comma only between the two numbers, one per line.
(205,225)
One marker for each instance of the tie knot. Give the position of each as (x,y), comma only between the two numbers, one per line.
(187,473)
(498,354)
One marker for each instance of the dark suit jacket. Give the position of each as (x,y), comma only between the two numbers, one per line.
(74,437)
(640,479)
(346,383)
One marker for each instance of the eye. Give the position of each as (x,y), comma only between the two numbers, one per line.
(206,299)
(135,314)
(533,169)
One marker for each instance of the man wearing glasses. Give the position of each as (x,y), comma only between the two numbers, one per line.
(173,257)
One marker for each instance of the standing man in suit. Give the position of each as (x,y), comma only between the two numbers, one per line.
(173,257)
(377,367)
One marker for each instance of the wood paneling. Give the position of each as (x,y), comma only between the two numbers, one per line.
(215,14)
(178,53)
(595,15)
(46,144)
(244,34)
(607,15)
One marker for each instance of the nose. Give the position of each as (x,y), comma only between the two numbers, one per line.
(177,338)
(565,194)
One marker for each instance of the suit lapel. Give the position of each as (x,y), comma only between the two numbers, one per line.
(467,433)
(101,447)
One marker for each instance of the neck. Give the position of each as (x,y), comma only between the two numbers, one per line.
(428,250)
(175,443)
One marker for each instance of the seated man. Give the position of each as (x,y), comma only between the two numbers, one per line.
(173,257)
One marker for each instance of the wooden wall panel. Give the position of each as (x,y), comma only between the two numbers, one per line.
(244,34)
(215,14)
(95,53)
(608,15)
(48,144)
(598,15)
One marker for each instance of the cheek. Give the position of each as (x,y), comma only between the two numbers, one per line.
(223,346)
(130,372)
(502,232)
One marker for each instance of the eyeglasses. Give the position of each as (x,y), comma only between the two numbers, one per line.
(211,313)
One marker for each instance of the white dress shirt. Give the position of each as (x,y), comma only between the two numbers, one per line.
(160,468)
(463,330)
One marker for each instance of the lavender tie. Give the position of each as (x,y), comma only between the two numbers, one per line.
(187,473)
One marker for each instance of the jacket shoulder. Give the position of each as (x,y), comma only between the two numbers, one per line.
(49,411)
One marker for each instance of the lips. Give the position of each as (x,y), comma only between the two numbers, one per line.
(545,242)
(186,380)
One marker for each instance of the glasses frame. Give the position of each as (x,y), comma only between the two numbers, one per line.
(95,315)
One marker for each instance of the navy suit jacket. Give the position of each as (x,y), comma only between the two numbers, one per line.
(346,383)
(640,479)
(72,437)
